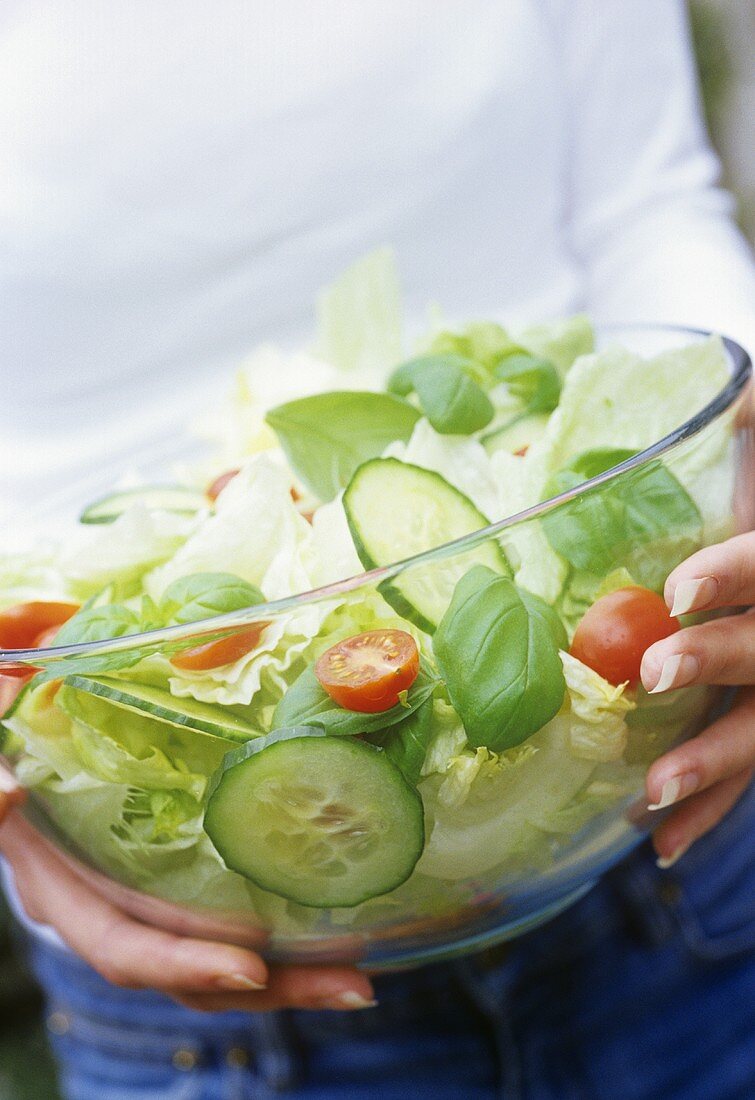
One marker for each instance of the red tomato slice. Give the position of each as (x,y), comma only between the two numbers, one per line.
(220,652)
(30,626)
(614,634)
(21,624)
(46,638)
(216,487)
(367,673)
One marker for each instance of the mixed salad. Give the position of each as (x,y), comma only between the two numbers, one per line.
(388,743)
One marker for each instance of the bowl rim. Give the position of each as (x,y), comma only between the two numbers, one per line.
(741,373)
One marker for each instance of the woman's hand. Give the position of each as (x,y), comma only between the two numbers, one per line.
(708,774)
(210,977)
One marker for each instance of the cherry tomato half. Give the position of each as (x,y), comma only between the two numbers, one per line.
(216,487)
(22,624)
(616,631)
(25,625)
(220,652)
(366,673)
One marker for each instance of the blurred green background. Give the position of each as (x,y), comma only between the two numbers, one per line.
(724,32)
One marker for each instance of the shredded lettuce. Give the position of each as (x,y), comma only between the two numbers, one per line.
(256,533)
(598,711)
(616,399)
(31,576)
(561,342)
(120,553)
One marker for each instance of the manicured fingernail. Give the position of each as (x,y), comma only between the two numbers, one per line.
(350,999)
(664,862)
(694,594)
(673,790)
(239,982)
(676,672)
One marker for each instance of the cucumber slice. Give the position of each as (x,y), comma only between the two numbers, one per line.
(396,510)
(324,821)
(159,703)
(158,498)
(523,432)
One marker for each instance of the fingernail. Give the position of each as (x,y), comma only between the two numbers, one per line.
(694,594)
(676,671)
(239,982)
(351,1000)
(673,790)
(664,862)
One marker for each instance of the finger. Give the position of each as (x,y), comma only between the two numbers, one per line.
(721,651)
(723,750)
(337,988)
(124,951)
(718,576)
(696,817)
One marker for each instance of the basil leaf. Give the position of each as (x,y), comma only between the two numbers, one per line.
(406,743)
(98,624)
(306,703)
(484,342)
(645,521)
(533,380)
(327,436)
(497,649)
(87,665)
(449,396)
(202,595)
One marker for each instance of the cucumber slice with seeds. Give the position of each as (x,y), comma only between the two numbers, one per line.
(396,510)
(324,821)
(157,498)
(158,703)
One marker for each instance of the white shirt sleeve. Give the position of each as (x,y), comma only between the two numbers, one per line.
(645,218)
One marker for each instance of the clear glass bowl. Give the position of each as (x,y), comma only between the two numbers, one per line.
(509,871)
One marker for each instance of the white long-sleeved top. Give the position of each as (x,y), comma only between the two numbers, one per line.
(178,179)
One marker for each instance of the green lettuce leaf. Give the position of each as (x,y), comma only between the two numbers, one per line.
(559,342)
(598,711)
(359,315)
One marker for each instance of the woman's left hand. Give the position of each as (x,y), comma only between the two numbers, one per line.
(709,773)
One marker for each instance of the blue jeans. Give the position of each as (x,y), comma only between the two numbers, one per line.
(643,990)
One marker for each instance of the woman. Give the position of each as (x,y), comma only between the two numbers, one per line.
(181,179)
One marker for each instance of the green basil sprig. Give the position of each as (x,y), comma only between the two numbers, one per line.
(306,703)
(449,396)
(202,595)
(533,380)
(484,342)
(497,649)
(327,436)
(406,743)
(644,521)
